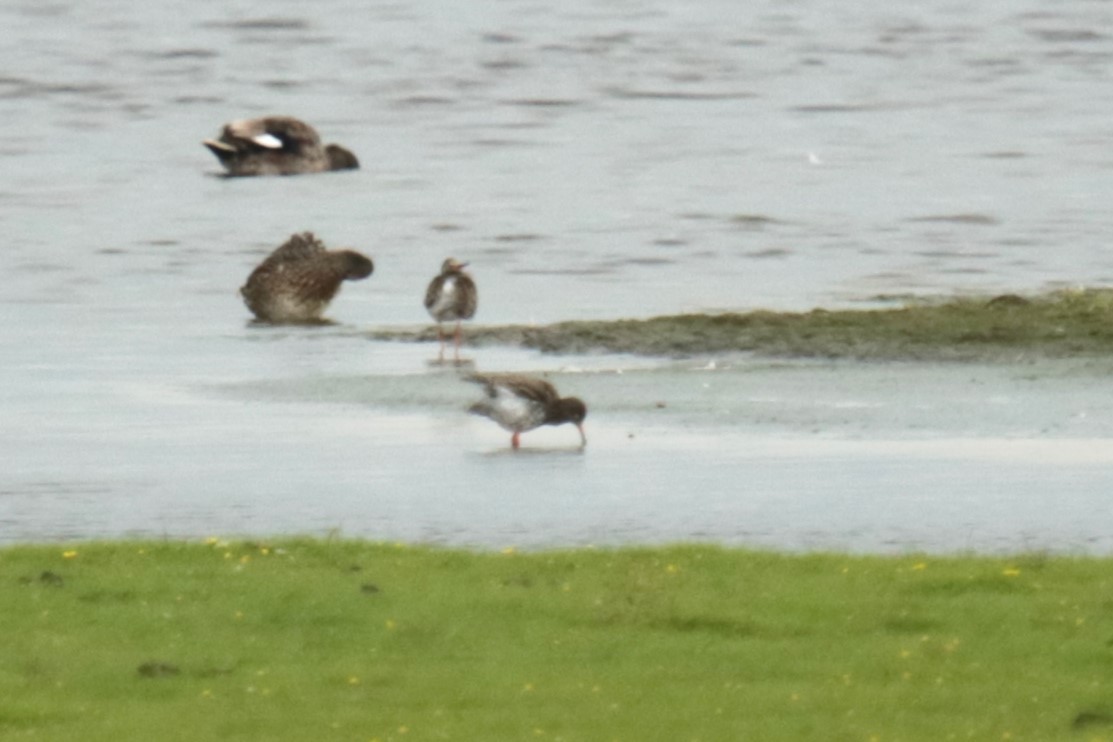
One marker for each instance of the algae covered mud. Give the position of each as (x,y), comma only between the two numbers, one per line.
(1061,324)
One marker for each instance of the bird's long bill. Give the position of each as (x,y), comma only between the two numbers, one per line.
(583,437)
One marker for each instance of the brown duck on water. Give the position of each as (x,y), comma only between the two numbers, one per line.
(298,280)
(276,145)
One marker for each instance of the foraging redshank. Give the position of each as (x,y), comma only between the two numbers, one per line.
(520,403)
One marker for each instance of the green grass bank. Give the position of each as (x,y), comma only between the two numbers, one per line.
(1059,324)
(342,640)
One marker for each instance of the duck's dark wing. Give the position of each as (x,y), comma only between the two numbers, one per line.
(271,133)
(298,248)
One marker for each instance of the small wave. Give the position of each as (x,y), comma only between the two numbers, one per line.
(19,87)
(502,142)
(182,54)
(585,271)
(192,99)
(754,221)
(1072,35)
(503,64)
(500,38)
(415,101)
(260,24)
(283,84)
(677,95)
(956,254)
(646,261)
(771,252)
(55,488)
(542,102)
(523,237)
(976,219)
(834,108)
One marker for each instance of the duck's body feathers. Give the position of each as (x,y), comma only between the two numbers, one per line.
(296,282)
(276,145)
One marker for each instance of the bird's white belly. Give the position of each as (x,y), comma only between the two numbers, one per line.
(444,308)
(515,413)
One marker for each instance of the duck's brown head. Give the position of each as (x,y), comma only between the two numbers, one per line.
(340,158)
(356,265)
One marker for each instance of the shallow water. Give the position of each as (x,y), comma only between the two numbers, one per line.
(590,161)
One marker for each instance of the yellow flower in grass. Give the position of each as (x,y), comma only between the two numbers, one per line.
(69,554)
(1010,572)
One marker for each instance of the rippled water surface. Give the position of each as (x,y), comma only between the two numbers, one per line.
(591,160)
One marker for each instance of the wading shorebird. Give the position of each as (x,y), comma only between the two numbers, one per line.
(451,297)
(276,145)
(298,280)
(521,403)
